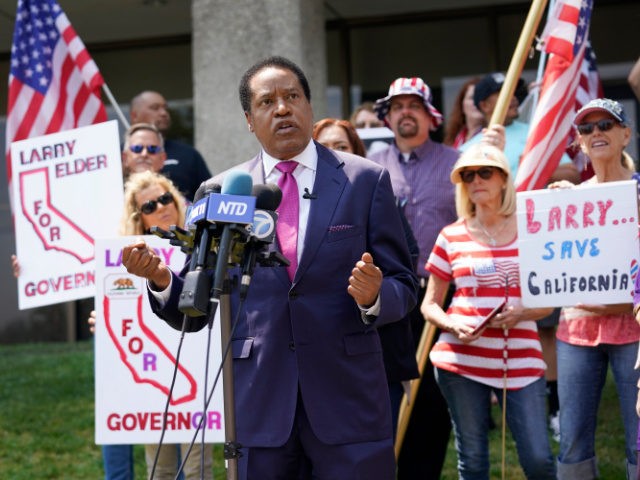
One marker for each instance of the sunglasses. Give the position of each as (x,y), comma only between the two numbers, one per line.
(151,149)
(484,173)
(603,125)
(152,205)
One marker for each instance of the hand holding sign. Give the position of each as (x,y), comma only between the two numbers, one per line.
(578,244)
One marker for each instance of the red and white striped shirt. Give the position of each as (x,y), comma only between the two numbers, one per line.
(480,272)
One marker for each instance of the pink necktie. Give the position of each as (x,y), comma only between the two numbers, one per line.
(288,214)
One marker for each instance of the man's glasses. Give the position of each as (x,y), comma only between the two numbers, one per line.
(603,125)
(152,205)
(484,173)
(151,149)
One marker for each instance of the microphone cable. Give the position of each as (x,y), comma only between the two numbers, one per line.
(227,348)
(185,321)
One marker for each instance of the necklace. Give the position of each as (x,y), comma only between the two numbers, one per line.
(491,238)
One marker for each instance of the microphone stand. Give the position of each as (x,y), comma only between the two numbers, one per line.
(192,300)
(221,296)
(231,446)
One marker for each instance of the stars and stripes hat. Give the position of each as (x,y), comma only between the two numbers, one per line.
(613,108)
(409,86)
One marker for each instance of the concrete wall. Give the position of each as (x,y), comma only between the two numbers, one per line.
(228,37)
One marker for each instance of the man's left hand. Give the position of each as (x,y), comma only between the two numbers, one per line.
(365,281)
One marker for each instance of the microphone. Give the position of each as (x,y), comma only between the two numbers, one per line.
(195,221)
(205,230)
(234,208)
(205,188)
(198,240)
(268,198)
(307,195)
(263,231)
(216,218)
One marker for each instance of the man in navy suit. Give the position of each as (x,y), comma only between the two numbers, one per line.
(310,388)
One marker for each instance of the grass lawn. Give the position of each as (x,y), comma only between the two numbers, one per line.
(46,420)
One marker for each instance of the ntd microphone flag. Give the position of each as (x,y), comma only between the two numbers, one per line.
(223,208)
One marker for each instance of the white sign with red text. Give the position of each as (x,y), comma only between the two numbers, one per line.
(578,245)
(135,355)
(67,191)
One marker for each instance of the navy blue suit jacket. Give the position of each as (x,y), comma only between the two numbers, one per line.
(308,337)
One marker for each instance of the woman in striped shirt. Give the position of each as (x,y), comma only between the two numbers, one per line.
(480,255)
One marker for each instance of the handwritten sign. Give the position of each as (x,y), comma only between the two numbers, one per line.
(135,353)
(68,191)
(578,245)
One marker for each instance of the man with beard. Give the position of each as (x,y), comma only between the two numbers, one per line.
(420,170)
(183,165)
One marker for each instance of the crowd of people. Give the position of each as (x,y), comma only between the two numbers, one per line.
(380,246)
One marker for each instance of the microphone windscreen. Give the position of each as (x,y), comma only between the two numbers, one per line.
(207,188)
(268,196)
(237,182)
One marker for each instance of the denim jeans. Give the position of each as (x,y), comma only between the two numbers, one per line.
(118,462)
(581,376)
(469,405)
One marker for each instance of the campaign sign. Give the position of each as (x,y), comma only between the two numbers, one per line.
(578,245)
(135,357)
(375,139)
(67,191)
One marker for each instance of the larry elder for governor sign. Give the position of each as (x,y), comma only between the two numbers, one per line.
(578,245)
(135,357)
(67,191)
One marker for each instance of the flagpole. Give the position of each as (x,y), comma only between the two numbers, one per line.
(517,61)
(541,65)
(115,105)
(406,406)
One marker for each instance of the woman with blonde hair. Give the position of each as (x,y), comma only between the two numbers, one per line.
(144,209)
(479,254)
(593,337)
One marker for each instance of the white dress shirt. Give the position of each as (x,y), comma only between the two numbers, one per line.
(305,175)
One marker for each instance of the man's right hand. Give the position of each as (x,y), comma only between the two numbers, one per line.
(142,261)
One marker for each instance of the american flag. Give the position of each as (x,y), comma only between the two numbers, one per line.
(590,87)
(54,84)
(565,38)
(496,273)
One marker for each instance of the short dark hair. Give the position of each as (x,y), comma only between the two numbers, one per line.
(277,62)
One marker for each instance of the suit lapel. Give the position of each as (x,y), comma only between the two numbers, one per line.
(328,187)
(256,169)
